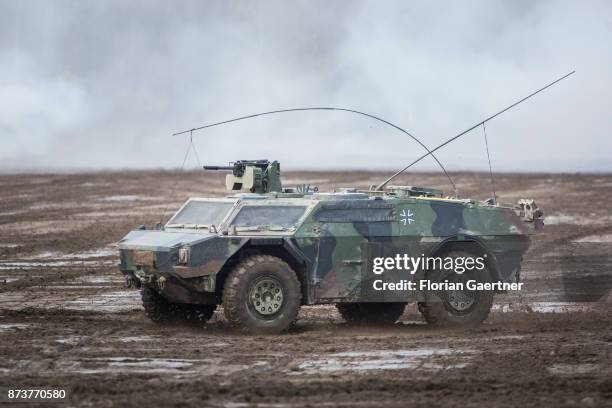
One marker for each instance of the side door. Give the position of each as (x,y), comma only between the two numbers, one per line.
(405,239)
(346,228)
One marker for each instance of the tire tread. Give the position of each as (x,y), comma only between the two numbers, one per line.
(232,295)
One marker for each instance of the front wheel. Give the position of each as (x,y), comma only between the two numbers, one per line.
(459,308)
(262,295)
(160,310)
(196,313)
(156,307)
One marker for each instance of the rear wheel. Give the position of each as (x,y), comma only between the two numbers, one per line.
(262,294)
(459,308)
(371,313)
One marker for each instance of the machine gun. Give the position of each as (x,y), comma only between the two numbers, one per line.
(258,176)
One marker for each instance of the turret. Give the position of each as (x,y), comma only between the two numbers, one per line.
(257,176)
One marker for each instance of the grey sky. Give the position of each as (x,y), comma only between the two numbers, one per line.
(103,84)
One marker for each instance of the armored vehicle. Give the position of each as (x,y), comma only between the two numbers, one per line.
(266,251)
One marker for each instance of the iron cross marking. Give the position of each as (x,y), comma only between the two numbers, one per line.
(406,217)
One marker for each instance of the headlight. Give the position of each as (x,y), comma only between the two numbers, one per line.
(183,255)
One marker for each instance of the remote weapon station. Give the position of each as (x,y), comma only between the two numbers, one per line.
(266,250)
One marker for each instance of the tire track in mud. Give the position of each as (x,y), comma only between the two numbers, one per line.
(44,280)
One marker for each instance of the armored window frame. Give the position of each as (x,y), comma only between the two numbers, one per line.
(305,208)
(230,210)
(355,211)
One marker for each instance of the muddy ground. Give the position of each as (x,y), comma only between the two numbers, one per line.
(66,321)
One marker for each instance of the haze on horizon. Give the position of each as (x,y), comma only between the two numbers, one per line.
(103,85)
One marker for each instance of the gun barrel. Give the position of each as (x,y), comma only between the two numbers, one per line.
(218,167)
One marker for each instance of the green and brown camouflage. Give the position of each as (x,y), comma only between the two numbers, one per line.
(329,239)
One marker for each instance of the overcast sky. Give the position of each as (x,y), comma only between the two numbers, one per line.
(103,84)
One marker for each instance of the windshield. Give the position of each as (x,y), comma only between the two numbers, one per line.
(200,214)
(268,216)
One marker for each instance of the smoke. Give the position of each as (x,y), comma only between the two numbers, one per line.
(89,84)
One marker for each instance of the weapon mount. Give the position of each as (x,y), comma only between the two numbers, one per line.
(258,176)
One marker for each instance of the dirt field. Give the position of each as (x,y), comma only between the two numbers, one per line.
(66,320)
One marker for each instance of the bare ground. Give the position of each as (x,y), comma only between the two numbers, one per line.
(66,321)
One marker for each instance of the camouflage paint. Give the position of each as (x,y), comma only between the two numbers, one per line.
(338,238)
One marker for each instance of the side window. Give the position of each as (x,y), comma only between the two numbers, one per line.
(277,215)
(361,211)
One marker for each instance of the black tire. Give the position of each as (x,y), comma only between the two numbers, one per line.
(160,310)
(262,277)
(444,312)
(371,313)
(195,313)
(156,307)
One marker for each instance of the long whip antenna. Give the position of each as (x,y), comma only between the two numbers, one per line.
(190,146)
(384,183)
(429,152)
(484,129)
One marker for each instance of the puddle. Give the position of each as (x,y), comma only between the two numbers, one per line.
(10,245)
(170,207)
(111,302)
(62,259)
(543,307)
(143,365)
(104,214)
(103,279)
(9,213)
(97,253)
(136,339)
(560,307)
(570,370)
(505,337)
(222,344)
(128,198)
(562,219)
(6,327)
(52,264)
(72,298)
(54,206)
(46,227)
(45,254)
(77,287)
(600,239)
(592,219)
(71,340)
(92,184)
(40,180)
(428,359)
(335,404)
(137,365)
